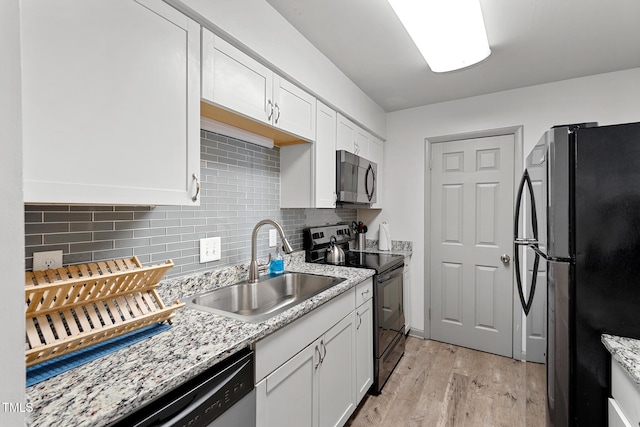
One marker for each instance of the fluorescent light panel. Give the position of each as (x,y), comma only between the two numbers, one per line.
(234,132)
(450,34)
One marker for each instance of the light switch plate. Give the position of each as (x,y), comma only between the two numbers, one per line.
(46,260)
(273,238)
(210,249)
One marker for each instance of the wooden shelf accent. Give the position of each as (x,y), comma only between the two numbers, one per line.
(280,138)
(71,308)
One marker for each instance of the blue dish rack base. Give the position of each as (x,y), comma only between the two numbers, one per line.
(50,368)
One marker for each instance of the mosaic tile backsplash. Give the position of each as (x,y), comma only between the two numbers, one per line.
(240,186)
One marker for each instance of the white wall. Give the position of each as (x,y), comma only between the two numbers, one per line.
(12,377)
(258,26)
(606,98)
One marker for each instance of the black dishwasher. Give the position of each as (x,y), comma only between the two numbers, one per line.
(223,395)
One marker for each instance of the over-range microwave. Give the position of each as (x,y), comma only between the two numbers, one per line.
(356,179)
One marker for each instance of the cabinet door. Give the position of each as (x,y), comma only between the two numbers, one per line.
(325,158)
(294,109)
(346,134)
(376,155)
(288,396)
(336,375)
(364,349)
(308,171)
(110,102)
(362,143)
(234,80)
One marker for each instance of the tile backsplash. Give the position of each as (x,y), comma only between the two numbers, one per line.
(240,186)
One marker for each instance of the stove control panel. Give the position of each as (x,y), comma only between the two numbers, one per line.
(319,237)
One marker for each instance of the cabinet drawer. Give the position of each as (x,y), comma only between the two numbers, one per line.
(364,291)
(625,393)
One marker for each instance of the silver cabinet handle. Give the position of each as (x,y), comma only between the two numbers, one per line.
(364,293)
(270,104)
(359,320)
(195,176)
(505,258)
(324,348)
(278,116)
(319,358)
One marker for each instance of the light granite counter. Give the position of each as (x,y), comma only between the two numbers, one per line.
(626,352)
(398,247)
(104,390)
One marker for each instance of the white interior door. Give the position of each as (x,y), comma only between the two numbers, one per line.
(471,229)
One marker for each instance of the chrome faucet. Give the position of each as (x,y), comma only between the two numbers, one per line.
(254,271)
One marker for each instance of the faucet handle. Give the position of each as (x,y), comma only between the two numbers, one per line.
(264,267)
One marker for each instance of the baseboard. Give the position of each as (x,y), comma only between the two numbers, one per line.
(416,333)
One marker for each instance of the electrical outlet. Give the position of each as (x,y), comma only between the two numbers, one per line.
(273,238)
(210,249)
(46,260)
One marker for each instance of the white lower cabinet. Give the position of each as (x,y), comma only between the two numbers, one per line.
(624,406)
(364,348)
(336,374)
(314,388)
(317,383)
(288,397)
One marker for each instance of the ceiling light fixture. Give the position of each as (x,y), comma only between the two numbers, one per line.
(450,34)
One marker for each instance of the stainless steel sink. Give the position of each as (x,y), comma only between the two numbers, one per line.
(256,302)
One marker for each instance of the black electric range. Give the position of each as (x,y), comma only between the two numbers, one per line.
(388,308)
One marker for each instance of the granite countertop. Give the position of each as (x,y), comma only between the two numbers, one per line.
(104,390)
(398,247)
(625,351)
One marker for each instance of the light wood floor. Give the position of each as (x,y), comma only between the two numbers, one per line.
(437,384)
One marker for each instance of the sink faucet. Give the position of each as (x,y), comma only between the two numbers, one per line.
(253,266)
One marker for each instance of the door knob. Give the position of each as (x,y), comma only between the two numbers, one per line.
(505,258)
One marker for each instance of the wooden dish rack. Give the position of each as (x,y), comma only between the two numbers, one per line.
(77,306)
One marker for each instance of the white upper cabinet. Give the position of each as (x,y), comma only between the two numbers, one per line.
(376,155)
(308,171)
(356,140)
(324,168)
(362,142)
(294,109)
(233,80)
(111,92)
(352,137)
(346,135)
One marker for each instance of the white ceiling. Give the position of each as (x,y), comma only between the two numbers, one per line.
(532,42)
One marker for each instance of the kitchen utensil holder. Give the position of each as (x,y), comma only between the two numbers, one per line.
(362,241)
(80,305)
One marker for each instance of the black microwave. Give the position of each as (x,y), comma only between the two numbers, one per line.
(356,179)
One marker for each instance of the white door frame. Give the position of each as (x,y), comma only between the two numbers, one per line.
(518,162)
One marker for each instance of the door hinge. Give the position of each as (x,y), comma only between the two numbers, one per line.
(429,314)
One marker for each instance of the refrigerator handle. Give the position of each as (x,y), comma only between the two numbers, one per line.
(533,243)
(534,216)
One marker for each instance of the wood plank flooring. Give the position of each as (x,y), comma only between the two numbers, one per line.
(438,384)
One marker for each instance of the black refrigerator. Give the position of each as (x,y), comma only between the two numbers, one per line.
(589,195)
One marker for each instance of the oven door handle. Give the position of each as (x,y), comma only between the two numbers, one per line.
(395,272)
